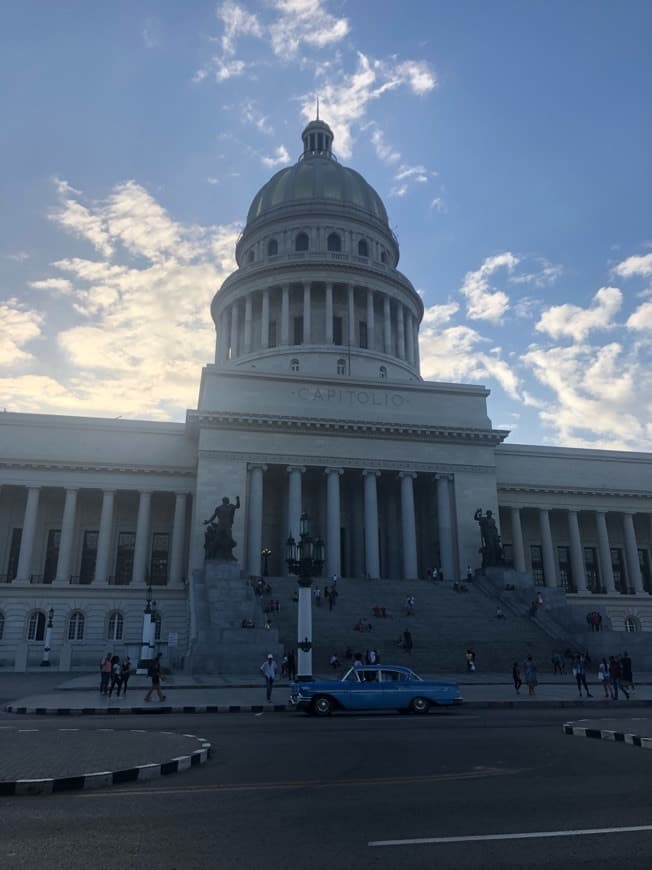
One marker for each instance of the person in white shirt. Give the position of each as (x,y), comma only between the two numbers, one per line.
(268,670)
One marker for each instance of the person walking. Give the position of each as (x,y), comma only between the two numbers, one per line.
(126,673)
(407,640)
(615,679)
(105,674)
(530,674)
(317,596)
(154,673)
(333,599)
(268,670)
(603,676)
(626,672)
(292,665)
(116,676)
(579,669)
(516,676)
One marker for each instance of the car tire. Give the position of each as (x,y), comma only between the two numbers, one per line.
(420,705)
(322,705)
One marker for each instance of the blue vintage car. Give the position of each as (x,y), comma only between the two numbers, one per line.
(374,687)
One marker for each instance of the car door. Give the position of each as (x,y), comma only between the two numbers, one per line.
(367,693)
(393,685)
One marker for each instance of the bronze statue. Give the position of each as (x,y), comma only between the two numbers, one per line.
(491,549)
(218,542)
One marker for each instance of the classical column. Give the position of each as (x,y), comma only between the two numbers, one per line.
(518,550)
(104,537)
(415,334)
(294,499)
(400,326)
(445,524)
(604,549)
(27,538)
(176,572)
(387,333)
(409,338)
(234,329)
(329,314)
(222,347)
(285,314)
(631,554)
(333,522)
(351,315)
(247,325)
(408,525)
(264,319)
(549,568)
(372,560)
(255,514)
(67,535)
(371,326)
(576,552)
(307,314)
(141,548)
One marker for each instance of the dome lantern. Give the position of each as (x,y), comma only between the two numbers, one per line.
(317,140)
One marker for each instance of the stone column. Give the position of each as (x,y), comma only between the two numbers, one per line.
(445,524)
(294,499)
(549,567)
(518,550)
(255,515)
(329,314)
(285,315)
(576,552)
(400,326)
(176,572)
(351,315)
(604,549)
(371,326)
(141,548)
(409,337)
(247,325)
(387,333)
(27,538)
(104,537)
(631,554)
(67,535)
(415,333)
(372,560)
(264,319)
(408,525)
(333,521)
(222,351)
(307,314)
(235,323)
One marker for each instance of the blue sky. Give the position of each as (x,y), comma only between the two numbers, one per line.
(510,142)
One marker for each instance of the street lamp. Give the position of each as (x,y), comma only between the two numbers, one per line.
(266,553)
(149,630)
(45,661)
(304,559)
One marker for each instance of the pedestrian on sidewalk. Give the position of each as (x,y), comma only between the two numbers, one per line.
(409,605)
(105,673)
(116,676)
(407,640)
(626,672)
(557,664)
(530,674)
(333,599)
(268,670)
(292,665)
(615,679)
(469,574)
(579,670)
(125,673)
(516,676)
(317,596)
(603,676)
(154,673)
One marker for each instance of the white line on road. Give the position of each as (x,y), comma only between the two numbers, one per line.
(533,835)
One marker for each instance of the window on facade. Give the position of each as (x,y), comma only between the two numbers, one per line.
(158,569)
(116,626)
(591,569)
(644,564)
(334,242)
(124,563)
(382,372)
(302,242)
(2,624)
(272,340)
(156,618)
(88,557)
(536,564)
(508,555)
(383,257)
(294,365)
(36,625)
(617,569)
(341,366)
(76,625)
(363,334)
(250,256)
(272,248)
(632,624)
(565,571)
(338,330)
(14,553)
(363,248)
(51,555)
(298,330)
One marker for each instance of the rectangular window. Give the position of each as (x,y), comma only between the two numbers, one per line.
(617,569)
(51,555)
(88,557)
(565,570)
(508,555)
(14,553)
(338,332)
(591,568)
(124,563)
(363,334)
(271,334)
(644,563)
(298,330)
(536,564)
(158,571)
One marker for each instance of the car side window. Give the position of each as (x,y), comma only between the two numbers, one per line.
(369,676)
(390,676)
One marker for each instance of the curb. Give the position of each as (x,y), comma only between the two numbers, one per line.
(105,778)
(156,711)
(605,734)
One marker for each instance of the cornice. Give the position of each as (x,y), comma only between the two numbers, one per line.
(592,491)
(52,465)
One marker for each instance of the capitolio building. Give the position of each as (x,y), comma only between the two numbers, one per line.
(313,403)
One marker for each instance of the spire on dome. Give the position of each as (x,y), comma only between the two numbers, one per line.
(317,108)
(317,138)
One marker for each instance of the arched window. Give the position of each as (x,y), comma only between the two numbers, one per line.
(334,242)
(632,624)
(116,625)
(36,625)
(272,248)
(383,373)
(157,625)
(363,248)
(294,365)
(76,625)
(341,366)
(302,242)
(2,624)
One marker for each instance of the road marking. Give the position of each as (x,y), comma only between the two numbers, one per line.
(534,835)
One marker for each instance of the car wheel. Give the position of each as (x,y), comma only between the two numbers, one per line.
(322,706)
(419,705)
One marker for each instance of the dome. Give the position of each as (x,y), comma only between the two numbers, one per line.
(317,176)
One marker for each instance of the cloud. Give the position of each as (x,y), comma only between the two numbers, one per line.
(633,266)
(418,74)
(575,322)
(436,315)
(641,319)
(546,274)
(80,220)
(18,326)
(438,204)
(304,22)
(251,114)
(281,158)
(236,23)
(57,285)
(384,152)
(484,303)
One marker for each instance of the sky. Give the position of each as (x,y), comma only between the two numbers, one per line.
(510,142)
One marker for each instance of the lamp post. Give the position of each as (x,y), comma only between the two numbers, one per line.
(266,553)
(45,661)
(304,559)
(149,629)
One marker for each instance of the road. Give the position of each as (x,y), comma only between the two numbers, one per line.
(288,791)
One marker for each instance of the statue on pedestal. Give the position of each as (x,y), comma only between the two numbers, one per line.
(218,542)
(491,549)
